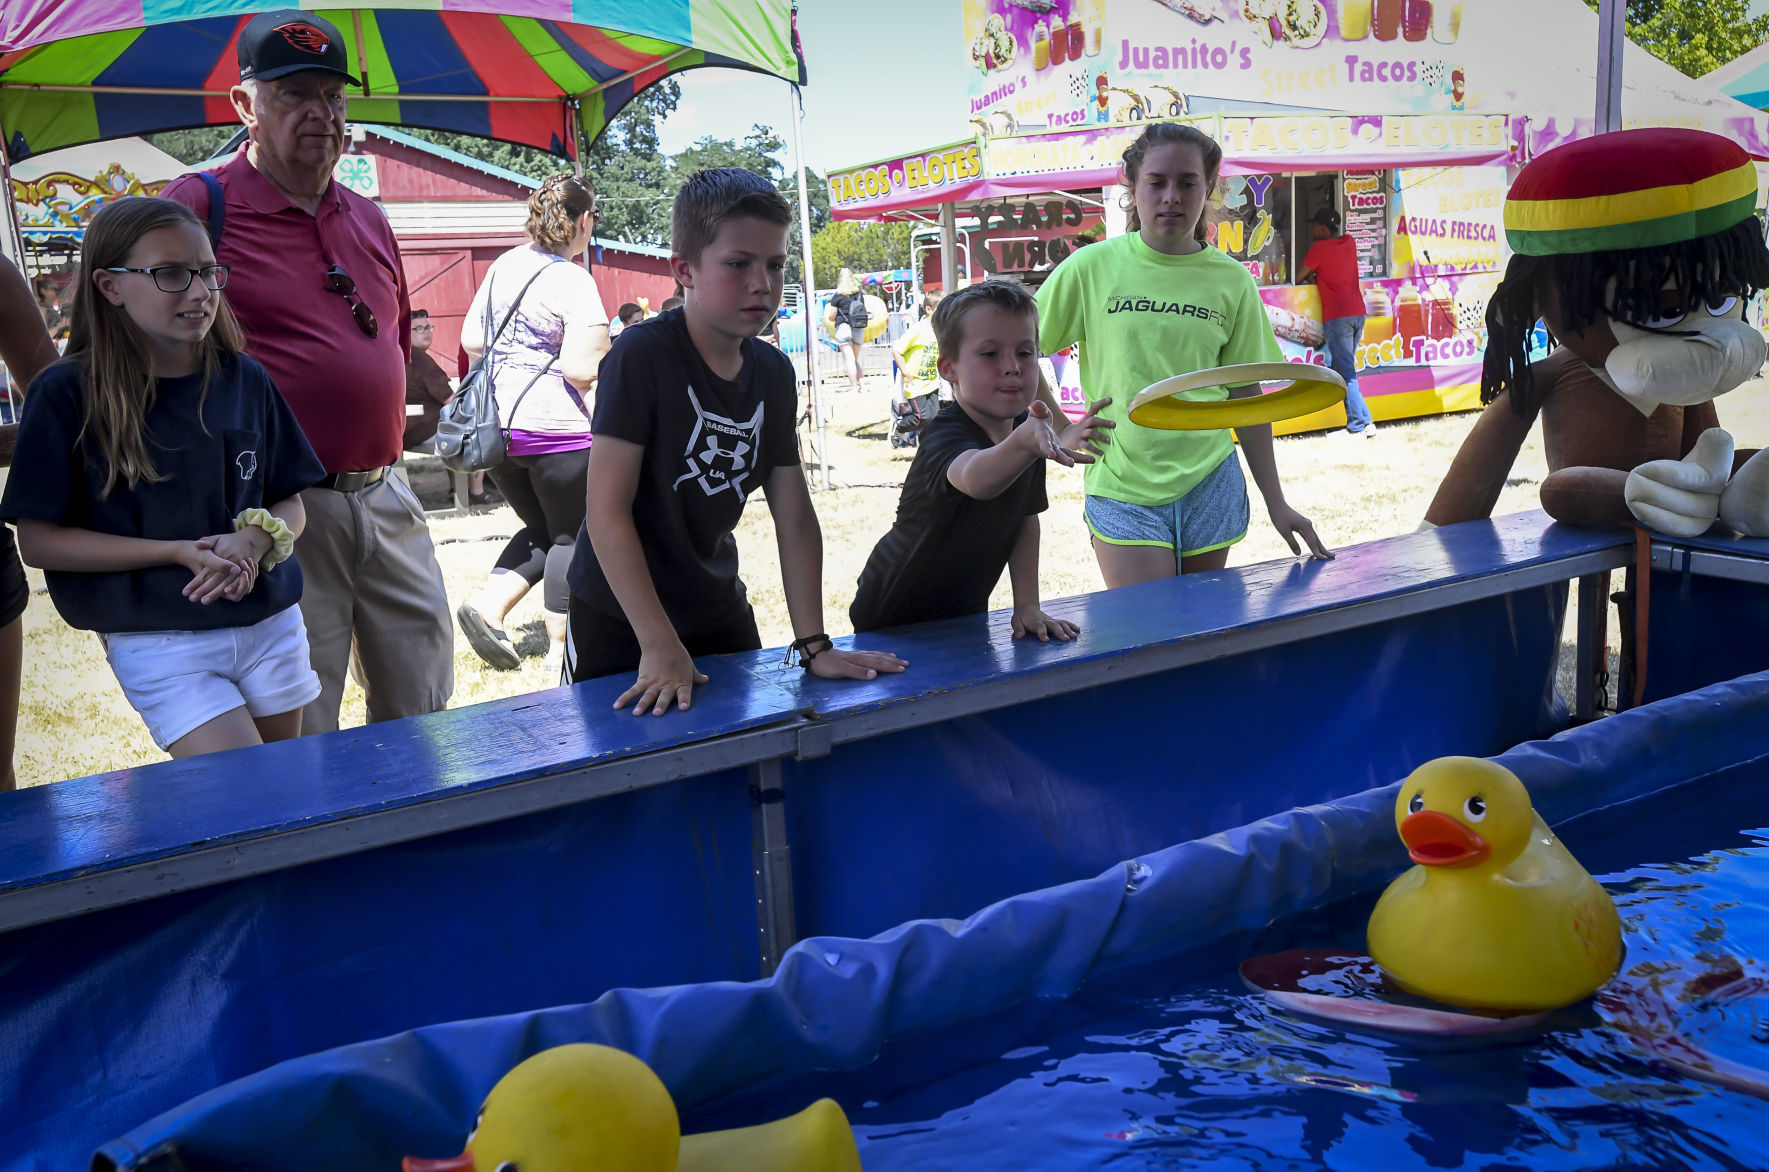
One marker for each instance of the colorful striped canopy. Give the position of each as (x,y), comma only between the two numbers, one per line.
(74,71)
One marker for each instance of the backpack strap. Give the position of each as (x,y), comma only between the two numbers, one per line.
(217,218)
(491,339)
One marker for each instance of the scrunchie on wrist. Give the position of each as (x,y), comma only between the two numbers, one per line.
(282,538)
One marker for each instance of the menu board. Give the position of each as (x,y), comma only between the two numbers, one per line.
(1366,219)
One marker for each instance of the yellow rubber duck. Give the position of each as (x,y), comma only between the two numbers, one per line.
(588,1108)
(1497,915)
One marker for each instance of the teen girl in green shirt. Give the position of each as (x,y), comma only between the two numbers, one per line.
(1156,302)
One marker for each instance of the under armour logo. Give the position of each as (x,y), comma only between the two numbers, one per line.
(247,463)
(718,451)
(304,37)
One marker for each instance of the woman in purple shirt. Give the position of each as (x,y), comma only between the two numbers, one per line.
(543,365)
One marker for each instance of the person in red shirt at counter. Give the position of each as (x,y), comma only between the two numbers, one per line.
(1332,264)
(318,284)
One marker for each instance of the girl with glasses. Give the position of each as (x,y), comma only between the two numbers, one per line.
(155,485)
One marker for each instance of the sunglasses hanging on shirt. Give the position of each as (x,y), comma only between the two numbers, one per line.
(338,281)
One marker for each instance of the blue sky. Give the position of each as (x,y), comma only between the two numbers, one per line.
(904,61)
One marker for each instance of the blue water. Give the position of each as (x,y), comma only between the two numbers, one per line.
(1179,1066)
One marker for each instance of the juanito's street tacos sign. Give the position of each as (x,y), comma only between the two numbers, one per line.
(1049,64)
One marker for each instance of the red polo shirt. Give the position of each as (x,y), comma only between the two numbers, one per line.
(1334,261)
(346,389)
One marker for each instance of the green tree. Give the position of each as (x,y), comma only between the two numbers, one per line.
(631,173)
(192,146)
(760,151)
(864,248)
(1694,36)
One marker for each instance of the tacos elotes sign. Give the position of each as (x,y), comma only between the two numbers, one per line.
(937,175)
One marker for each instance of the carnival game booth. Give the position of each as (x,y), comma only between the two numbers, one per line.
(166,932)
(1403,115)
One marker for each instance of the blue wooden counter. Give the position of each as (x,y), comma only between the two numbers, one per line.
(974,664)
(1695,579)
(92,842)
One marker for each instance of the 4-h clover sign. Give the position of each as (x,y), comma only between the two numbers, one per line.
(360,173)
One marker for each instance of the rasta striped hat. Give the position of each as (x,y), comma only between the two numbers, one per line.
(1629,190)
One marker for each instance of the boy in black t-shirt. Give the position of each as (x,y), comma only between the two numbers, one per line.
(971,501)
(692,415)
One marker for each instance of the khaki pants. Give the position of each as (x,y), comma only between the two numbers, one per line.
(374,603)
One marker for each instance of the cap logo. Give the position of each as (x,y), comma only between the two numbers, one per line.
(305,38)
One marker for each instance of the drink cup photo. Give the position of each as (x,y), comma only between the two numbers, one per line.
(1354,19)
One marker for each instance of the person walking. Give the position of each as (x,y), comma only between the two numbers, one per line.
(319,287)
(549,334)
(846,317)
(1331,264)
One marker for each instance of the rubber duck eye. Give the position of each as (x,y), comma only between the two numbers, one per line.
(1416,803)
(1475,808)
(507,1166)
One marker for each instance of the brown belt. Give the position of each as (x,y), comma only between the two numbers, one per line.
(353,481)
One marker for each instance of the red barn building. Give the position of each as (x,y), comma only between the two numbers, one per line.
(454,215)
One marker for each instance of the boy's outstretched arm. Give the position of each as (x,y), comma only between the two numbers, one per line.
(1022,571)
(666,671)
(985,473)
(1256,442)
(800,539)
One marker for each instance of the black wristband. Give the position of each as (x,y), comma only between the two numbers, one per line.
(801,649)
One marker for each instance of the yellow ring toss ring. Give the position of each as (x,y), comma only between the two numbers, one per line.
(1312,388)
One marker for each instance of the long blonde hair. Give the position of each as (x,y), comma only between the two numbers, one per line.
(845,284)
(115,360)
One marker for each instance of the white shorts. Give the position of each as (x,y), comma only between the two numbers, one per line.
(181,680)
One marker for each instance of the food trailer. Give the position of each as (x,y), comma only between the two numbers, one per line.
(1379,109)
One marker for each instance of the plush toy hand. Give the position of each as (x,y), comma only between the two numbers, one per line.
(1682,497)
(1745,503)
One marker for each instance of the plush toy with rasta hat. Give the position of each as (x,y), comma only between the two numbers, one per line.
(1639,251)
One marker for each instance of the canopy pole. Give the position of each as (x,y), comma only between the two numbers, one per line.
(14,244)
(948,248)
(1611,37)
(807,303)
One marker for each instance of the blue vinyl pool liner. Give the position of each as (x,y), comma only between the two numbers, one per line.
(834,1003)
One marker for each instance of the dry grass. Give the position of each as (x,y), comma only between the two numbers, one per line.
(73,720)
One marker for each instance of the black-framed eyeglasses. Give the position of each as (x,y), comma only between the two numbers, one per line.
(339,282)
(177,278)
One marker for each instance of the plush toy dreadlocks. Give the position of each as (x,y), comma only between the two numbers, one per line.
(1638,250)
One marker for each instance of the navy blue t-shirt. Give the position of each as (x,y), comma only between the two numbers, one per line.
(245,452)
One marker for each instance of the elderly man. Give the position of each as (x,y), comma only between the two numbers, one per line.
(318,284)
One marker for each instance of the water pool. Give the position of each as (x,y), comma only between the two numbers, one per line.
(1180,1066)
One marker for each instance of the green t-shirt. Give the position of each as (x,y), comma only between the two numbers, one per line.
(1142,316)
(921,354)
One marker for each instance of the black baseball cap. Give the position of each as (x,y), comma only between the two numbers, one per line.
(1327,218)
(288,40)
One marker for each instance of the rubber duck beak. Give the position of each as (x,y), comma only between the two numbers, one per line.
(1437,840)
(460,1163)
